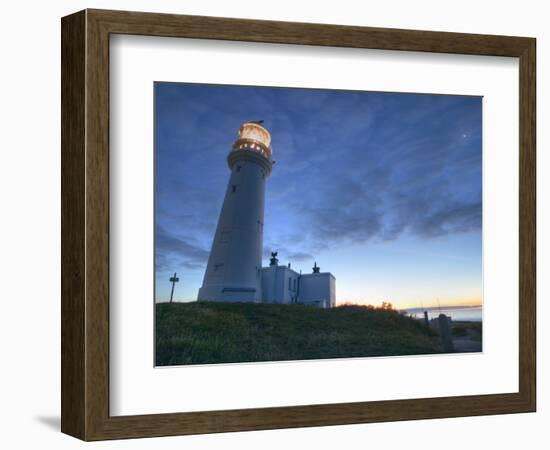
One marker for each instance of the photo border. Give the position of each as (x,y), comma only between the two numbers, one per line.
(85,224)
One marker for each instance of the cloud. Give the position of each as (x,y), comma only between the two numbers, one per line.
(404,169)
(351,167)
(349,211)
(172,252)
(299,256)
(449,219)
(284,253)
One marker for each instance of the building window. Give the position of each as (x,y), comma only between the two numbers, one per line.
(234,188)
(294,284)
(289,284)
(239,168)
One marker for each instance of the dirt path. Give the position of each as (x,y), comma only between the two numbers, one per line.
(471,342)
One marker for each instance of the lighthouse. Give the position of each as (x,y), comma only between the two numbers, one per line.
(234,272)
(234,269)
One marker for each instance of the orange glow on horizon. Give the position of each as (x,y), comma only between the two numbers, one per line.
(432,303)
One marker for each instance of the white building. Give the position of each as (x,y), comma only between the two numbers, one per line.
(281,284)
(234,271)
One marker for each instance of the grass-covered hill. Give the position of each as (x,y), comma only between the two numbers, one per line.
(207,332)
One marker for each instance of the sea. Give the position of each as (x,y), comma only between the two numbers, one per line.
(457,313)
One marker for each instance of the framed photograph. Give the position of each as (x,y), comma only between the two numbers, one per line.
(272,225)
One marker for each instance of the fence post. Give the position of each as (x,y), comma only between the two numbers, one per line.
(445,333)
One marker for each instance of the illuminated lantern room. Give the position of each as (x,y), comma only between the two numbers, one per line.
(254,136)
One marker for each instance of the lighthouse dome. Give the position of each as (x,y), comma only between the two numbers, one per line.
(253,144)
(255,131)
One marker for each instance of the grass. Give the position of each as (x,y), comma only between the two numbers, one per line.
(208,332)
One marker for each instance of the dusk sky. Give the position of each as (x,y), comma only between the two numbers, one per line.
(383,190)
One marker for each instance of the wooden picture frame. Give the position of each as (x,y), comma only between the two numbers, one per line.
(85,224)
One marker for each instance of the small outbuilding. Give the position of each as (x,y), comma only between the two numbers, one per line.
(281,284)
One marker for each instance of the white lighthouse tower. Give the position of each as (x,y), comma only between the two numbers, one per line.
(234,270)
